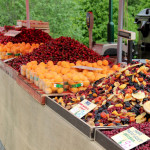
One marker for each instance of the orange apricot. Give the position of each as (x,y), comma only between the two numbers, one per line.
(76,78)
(59,63)
(54,89)
(58,79)
(60,90)
(74,90)
(99,62)
(78,63)
(71,82)
(86,83)
(89,65)
(72,64)
(115,67)
(94,65)
(105,62)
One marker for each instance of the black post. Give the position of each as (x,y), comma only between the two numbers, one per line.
(110,26)
(130,46)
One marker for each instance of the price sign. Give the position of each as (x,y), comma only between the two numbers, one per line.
(87,68)
(82,108)
(1,29)
(127,34)
(8,59)
(130,138)
(12,33)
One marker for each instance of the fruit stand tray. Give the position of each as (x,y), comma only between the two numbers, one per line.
(31,88)
(34,90)
(105,141)
(9,70)
(78,123)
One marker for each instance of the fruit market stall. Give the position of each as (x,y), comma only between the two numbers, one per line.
(25,124)
(77,86)
(24,121)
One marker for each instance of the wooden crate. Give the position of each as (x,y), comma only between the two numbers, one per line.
(33,24)
(44,26)
(33,90)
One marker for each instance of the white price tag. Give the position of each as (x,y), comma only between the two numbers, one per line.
(82,108)
(12,33)
(130,138)
(1,29)
(87,68)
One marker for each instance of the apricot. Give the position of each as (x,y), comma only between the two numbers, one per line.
(54,89)
(105,62)
(50,63)
(60,90)
(99,62)
(58,79)
(89,65)
(76,78)
(115,67)
(94,65)
(86,83)
(74,90)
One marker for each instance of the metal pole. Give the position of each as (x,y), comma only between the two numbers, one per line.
(27,14)
(120,26)
(110,26)
(130,46)
(90,39)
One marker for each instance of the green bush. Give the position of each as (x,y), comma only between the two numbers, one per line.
(68,17)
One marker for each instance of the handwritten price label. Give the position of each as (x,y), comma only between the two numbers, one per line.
(130,138)
(127,144)
(82,108)
(12,33)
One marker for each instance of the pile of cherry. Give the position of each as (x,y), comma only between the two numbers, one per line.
(27,36)
(60,49)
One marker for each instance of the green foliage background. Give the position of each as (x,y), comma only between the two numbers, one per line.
(68,17)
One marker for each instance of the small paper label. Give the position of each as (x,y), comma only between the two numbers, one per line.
(9,54)
(36,78)
(58,85)
(77,85)
(82,108)
(31,77)
(12,33)
(18,54)
(130,138)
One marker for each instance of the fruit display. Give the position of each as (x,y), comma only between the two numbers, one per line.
(11,50)
(119,97)
(61,49)
(143,127)
(27,36)
(57,78)
(62,65)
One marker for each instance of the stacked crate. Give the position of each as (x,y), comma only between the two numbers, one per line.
(44,26)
